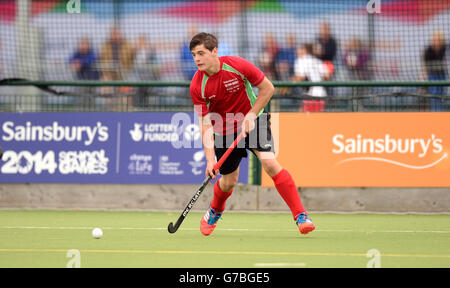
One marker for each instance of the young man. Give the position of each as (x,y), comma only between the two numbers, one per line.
(221,91)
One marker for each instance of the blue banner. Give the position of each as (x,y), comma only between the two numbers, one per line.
(140,148)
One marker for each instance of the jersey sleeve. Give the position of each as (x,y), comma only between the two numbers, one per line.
(248,69)
(200,105)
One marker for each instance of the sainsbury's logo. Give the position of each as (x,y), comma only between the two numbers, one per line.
(383,149)
(56,132)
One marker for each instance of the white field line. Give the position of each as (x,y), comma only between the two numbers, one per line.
(220,229)
(203,252)
(279,265)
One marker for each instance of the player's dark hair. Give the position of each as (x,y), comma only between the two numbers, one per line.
(208,40)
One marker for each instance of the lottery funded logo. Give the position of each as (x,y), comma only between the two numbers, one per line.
(154,132)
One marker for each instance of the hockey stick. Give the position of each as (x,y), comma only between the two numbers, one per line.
(173,228)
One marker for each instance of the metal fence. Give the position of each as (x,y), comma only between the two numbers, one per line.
(36,96)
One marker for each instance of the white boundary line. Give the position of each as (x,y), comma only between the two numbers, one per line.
(279,265)
(220,229)
(206,252)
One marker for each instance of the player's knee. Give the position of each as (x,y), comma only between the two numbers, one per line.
(228,185)
(228,182)
(271,170)
(271,167)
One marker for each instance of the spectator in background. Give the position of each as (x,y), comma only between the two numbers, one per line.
(286,55)
(356,59)
(310,68)
(317,51)
(435,67)
(83,63)
(328,46)
(116,58)
(284,67)
(266,59)
(326,49)
(187,62)
(145,68)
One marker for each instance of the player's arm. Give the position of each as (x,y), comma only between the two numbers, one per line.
(208,145)
(266,90)
(206,127)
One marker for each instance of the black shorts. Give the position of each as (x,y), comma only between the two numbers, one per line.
(259,139)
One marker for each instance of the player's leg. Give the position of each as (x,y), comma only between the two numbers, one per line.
(261,144)
(223,188)
(285,185)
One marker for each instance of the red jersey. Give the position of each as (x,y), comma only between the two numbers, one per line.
(228,91)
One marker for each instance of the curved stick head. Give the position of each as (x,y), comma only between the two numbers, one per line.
(172,229)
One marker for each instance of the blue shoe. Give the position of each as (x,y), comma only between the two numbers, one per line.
(304,223)
(209,221)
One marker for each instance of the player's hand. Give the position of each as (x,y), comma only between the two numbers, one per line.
(248,124)
(210,170)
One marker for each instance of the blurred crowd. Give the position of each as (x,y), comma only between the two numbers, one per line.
(319,60)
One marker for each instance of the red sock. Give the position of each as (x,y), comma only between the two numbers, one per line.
(219,199)
(287,189)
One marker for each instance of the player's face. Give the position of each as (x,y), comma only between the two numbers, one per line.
(204,59)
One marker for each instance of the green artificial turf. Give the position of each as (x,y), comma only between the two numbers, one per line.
(35,238)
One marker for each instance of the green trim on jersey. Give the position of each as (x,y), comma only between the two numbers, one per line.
(248,86)
(204,80)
